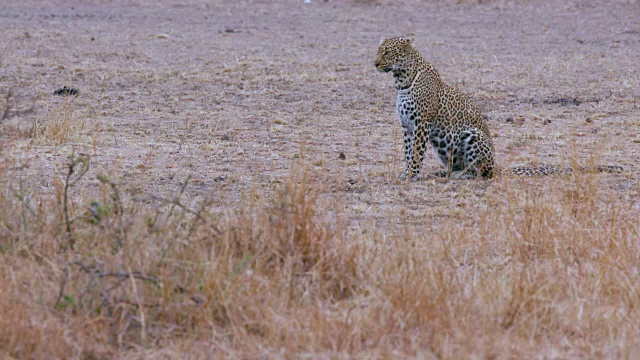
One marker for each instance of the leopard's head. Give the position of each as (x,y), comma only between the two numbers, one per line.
(392,53)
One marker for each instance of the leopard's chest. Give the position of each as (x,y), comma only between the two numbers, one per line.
(407,109)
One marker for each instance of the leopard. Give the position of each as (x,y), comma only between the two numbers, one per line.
(433,112)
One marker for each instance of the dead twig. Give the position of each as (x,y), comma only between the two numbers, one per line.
(96,273)
(175,202)
(183,137)
(7,112)
(22,197)
(177,198)
(198,214)
(118,207)
(7,106)
(72,168)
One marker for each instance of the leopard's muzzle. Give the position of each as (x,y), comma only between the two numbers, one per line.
(381,67)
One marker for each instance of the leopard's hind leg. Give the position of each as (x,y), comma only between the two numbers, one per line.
(473,156)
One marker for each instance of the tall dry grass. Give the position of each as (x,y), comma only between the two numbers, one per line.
(546,268)
(61,123)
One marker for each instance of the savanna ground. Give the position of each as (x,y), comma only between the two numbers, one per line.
(192,201)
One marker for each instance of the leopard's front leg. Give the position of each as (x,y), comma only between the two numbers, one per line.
(408,147)
(418,148)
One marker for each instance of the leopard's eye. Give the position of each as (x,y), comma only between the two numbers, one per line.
(387,53)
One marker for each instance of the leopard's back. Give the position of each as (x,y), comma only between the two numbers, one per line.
(456,109)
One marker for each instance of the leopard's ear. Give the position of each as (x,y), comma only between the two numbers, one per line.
(408,43)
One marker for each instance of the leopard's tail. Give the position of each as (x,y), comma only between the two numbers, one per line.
(545,169)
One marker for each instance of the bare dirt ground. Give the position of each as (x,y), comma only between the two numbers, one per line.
(233,90)
(233,94)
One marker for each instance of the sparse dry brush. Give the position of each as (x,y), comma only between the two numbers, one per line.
(547,266)
(56,124)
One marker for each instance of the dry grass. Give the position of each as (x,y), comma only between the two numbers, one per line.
(59,127)
(545,269)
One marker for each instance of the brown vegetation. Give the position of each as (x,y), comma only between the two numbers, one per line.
(545,269)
